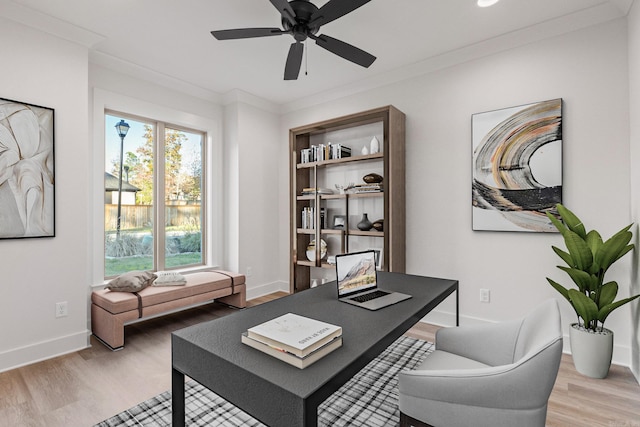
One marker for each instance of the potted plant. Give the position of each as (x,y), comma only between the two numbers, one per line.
(588,258)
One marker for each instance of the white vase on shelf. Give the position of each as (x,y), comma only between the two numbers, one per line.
(374,146)
(365,150)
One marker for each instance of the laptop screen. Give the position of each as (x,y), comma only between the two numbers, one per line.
(355,272)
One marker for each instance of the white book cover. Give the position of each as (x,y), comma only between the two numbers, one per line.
(300,334)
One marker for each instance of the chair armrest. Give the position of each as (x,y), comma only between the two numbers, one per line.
(492,344)
(523,385)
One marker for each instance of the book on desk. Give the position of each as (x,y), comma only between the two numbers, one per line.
(295,339)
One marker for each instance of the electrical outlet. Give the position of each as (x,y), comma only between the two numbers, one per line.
(249,271)
(62,309)
(485,295)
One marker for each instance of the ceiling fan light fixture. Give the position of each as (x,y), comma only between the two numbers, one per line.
(487,3)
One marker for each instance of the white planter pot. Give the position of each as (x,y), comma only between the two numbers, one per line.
(591,351)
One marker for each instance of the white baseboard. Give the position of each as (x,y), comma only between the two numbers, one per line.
(43,350)
(621,353)
(266,289)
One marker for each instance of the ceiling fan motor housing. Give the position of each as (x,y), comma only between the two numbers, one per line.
(304,9)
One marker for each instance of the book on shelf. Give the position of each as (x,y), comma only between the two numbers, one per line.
(368,188)
(295,334)
(292,359)
(309,219)
(320,152)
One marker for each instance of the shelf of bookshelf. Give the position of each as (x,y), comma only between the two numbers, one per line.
(369,194)
(372,233)
(323,264)
(331,231)
(311,231)
(355,132)
(333,196)
(374,156)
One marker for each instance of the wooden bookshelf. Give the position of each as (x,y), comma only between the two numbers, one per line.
(355,131)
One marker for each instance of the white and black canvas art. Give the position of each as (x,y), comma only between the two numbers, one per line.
(26,170)
(517,167)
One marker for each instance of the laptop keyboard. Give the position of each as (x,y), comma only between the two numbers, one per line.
(369,296)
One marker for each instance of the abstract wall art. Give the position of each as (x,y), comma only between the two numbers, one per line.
(517,167)
(26,170)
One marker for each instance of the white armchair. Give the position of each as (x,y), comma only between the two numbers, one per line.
(488,375)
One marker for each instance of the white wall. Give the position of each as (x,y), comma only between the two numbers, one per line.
(251,149)
(37,273)
(588,69)
(634,113)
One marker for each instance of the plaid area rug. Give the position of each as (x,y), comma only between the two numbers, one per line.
(369,399)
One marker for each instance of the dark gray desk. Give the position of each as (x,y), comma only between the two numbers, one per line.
(275,392)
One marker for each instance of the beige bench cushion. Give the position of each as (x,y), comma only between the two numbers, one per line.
(197,283)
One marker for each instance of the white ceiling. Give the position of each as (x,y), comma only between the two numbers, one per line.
(170,40)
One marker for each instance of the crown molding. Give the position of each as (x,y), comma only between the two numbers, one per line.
(48,24)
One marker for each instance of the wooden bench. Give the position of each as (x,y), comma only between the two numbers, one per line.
(110,310)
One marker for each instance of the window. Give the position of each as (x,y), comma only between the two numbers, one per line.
(153,205)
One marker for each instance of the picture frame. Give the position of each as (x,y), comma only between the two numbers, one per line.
(517,167)
(340,222)
(27,184)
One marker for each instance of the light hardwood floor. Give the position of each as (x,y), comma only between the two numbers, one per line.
(85,387)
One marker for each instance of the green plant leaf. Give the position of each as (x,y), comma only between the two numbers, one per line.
(582,279)
(608,293)
(566,257)
(572,221)
(556,222)
(584,306)
(613,249)
(605,311)
(558,287)
(580,252)
(594,241)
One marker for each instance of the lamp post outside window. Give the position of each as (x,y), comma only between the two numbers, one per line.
(122,127)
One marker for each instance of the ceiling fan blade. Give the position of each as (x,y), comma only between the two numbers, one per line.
(334,9)
(285,10)
(345,50)
(294,61)
(246,33)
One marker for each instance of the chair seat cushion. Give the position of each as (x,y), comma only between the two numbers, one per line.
(443,360)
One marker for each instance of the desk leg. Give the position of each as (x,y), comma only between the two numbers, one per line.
(177,398)
(457,305)
(310,415)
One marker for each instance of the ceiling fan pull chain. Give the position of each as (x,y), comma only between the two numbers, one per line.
(306,58)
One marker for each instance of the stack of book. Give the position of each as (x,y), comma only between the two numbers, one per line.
(297,340)
(368,188)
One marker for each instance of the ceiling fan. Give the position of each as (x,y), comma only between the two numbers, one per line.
(303,19)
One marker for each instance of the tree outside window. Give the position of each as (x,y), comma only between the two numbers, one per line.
(141,240)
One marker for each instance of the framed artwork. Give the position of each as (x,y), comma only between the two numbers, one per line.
(517,167)
(340,222)
(26,170)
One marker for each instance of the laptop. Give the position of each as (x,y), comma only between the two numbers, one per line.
(357,282)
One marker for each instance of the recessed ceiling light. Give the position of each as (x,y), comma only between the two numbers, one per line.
(486,3)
